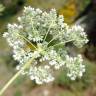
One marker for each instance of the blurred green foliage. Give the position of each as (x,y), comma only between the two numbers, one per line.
(69,93)
(12,8)
(83,4)
(1,9)
(18,93)
(19,80)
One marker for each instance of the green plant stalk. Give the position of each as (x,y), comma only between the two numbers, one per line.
(27,41)
(48,31)
(27,65)
(64,42)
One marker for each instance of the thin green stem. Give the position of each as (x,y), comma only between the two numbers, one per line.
(15,76)
(63,42)
(58,44)
(27,41)
(32,24)
(69,40)
(52,39)
(9,82)
(47,31)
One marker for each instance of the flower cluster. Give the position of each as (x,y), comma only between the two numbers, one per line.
(42,36)
(75,67)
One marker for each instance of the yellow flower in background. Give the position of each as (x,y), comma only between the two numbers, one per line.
(69,11)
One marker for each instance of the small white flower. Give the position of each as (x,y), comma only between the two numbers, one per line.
(47,67)
(53,62)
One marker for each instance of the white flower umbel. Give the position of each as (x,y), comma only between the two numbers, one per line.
(74,66)
(42,35)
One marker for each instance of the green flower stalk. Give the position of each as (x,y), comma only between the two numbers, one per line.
(43,36)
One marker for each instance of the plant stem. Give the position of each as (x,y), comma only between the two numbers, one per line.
(27,41)
(9,82)
(48,31)
(63,42)
(15,76)
(52,39)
